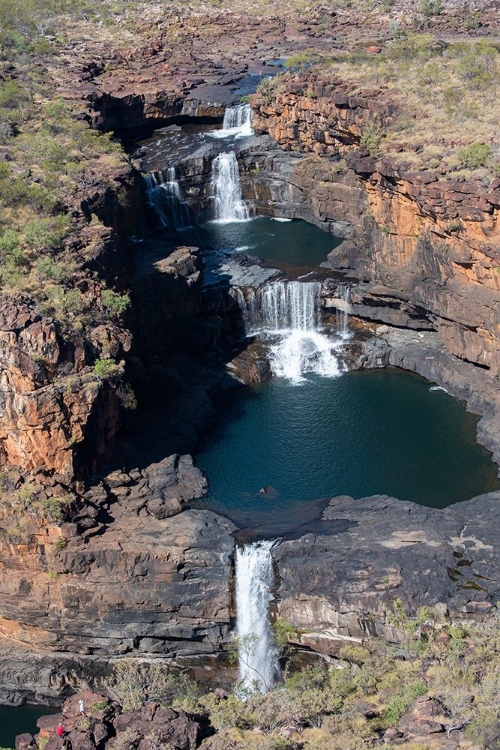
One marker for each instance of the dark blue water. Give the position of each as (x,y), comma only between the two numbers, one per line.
(360,434)
(292,245)
(19,719)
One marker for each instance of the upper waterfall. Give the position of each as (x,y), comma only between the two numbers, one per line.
(258,657)
(237,122)
(226,189)
(164,195)
(289,311)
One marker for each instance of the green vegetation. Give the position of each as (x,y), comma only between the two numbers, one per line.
(302,60)
(25,501)
(371,137)
(107,368)
(445,99)
(351,703)
(475,155)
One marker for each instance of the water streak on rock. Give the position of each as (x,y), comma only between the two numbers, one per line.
(164,195)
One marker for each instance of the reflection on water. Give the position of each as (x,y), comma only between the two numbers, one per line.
(360,434)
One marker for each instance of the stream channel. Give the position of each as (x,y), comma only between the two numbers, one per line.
(281,448)
(314,430)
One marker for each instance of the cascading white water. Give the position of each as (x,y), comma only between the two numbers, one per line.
(237,123)
(164,196)
(258,657)
(226,189)
(290,312)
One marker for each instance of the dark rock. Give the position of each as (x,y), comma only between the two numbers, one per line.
(25,742)
(420,719)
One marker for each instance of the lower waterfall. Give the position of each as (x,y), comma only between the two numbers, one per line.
(289,311)
(164,196)
(258,657)
(226,189)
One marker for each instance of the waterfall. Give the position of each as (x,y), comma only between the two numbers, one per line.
(258,658)
(237,123)
(164,196)
(226,189)
(289,311)
(343,310)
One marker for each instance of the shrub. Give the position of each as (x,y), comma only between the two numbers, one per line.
(114,303)
(371,137)
(107,368)
(475,155)
(136,682)
(301,61)
(227,712)
(51,508)
(399,705)
(46,234)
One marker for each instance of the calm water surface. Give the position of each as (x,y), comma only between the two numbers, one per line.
(292,245)
(359,434)
(19,719)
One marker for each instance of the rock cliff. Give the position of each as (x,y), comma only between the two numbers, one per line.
(128,573)
(434,241)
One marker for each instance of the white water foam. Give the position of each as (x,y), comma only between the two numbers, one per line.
(258,658)
(237,123)
(226,190)
(288,313)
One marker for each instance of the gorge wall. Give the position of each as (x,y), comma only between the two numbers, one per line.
(431,241)
(129,570)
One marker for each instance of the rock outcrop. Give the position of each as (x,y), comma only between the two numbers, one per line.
(104,724)
(338,584)
(129,574)
(434,241)
(51,400)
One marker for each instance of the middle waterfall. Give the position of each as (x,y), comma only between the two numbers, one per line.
(288,313)
(226,189)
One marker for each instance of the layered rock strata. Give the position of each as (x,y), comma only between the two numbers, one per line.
(129,574)
(337,585)
(432,240)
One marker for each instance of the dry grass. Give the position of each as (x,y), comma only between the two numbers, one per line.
(446,99)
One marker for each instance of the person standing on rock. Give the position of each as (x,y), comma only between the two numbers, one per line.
(60,730)
(81,706)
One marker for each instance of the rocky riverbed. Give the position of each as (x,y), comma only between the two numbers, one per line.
(132,568)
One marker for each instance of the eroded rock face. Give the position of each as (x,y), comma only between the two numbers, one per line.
(338,585)
(133,576)
(104,724)
(44,412)
(404,235)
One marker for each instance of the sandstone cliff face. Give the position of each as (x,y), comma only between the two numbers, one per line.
(46,412)
(128,573)
(432,240)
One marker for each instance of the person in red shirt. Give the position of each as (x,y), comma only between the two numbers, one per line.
(60,730)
